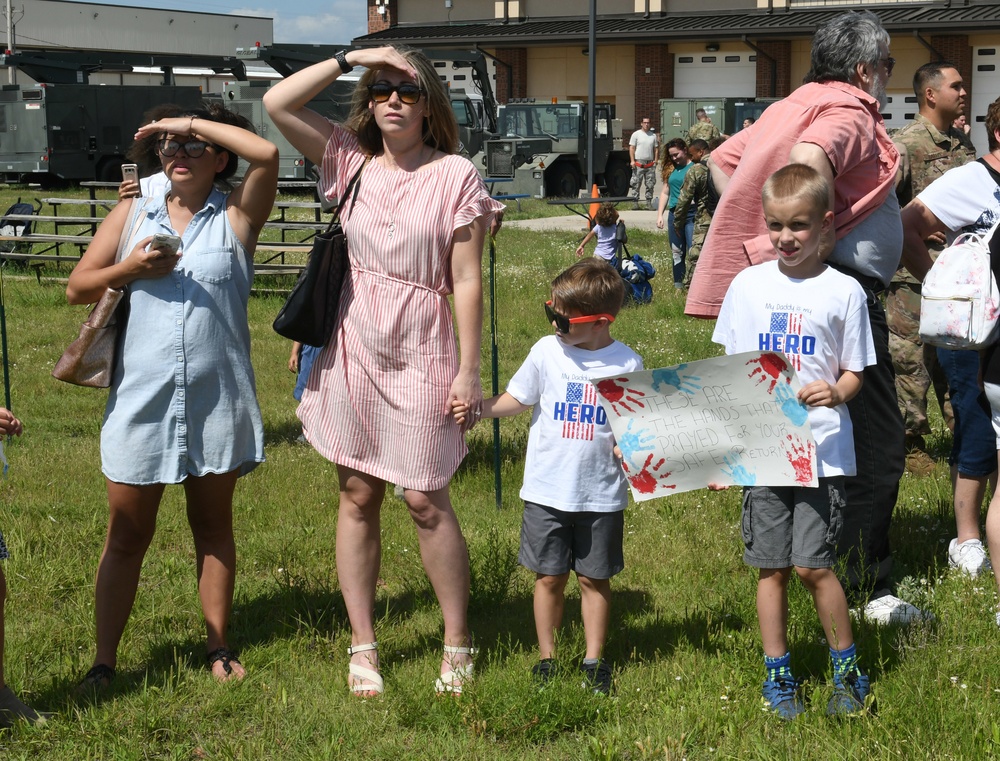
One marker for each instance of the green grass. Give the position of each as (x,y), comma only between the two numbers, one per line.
(684,637)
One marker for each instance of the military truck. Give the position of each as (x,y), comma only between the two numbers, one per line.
(543,149)
(245,98)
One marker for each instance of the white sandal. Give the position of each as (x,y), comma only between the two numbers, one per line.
(451,682)
(359,672)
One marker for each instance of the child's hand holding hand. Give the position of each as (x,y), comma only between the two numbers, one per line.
(9,425)
(460,411)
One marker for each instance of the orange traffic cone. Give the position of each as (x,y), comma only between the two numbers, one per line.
(594,193)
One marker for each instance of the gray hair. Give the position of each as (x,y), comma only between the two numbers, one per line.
(845,41)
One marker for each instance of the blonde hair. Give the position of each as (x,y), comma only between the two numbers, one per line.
(798,181)
(440,125)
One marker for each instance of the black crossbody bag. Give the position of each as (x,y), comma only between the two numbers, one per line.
(309,315)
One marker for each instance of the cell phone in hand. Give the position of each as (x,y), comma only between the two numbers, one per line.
(130,173)
(166,244)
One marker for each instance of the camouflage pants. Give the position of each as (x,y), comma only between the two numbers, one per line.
(642,175)
(697,241)
(915,363)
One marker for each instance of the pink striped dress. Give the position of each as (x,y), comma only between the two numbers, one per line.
(375,398)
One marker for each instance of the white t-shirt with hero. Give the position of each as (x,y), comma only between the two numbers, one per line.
(570,463)
(820,324)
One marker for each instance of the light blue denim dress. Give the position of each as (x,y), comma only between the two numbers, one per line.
(183,399)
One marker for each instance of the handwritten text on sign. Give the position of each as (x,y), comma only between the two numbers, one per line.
(727,420)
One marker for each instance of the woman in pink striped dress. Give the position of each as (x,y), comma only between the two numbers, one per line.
(378,396)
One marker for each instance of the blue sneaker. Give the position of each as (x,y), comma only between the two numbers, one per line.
(781,696)
(850,693)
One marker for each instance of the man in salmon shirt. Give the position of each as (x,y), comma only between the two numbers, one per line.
(832,124)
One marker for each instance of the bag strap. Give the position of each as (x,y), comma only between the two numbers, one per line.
(128,230)
(354,184)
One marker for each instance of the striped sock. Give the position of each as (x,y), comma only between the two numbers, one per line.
(778,667)
(844,661)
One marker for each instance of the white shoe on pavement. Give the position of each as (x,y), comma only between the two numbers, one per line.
(889,609)
(970,556)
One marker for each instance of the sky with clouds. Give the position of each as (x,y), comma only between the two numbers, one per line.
(325,22)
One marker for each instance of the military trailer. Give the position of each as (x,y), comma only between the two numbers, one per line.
(76,132)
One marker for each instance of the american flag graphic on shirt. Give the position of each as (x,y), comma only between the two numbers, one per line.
(788,323)
(580,394)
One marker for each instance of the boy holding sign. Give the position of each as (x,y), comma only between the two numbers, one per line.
(574,489)
(818,318)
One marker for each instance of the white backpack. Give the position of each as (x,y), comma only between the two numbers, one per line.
(959,301)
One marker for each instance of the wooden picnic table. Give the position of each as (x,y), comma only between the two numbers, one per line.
(266,266)
(93,186)
(569,203)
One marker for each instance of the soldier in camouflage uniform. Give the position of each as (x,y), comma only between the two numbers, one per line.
(928,146)
(702,129)
(694,191)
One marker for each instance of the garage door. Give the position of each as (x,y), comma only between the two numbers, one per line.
(715,75)
(900,109)
(985,90)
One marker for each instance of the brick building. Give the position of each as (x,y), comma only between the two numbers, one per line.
(648,50)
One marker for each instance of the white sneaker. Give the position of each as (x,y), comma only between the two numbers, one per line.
(889,609)
(970,556)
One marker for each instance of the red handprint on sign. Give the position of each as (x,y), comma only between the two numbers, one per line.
(645,480)
(800,455)
(770,368)
(619,395)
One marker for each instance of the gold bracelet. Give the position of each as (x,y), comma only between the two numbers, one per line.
(191,126)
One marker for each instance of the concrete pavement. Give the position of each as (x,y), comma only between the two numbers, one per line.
(634,220)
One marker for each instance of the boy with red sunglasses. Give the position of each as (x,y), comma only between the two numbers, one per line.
(574,490)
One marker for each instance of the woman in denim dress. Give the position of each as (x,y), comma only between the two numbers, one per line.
(183,406)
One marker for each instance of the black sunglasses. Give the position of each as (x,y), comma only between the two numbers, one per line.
(192,148)
(563,322)
(408,92)
(890,63)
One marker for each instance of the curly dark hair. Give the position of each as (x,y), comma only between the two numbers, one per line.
(144,153)
(606,215)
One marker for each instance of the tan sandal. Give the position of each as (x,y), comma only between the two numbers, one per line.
(359,672)
(452,681)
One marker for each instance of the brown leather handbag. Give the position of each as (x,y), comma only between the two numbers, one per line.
(90,359)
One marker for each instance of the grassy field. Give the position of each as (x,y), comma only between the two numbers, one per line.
(684,638)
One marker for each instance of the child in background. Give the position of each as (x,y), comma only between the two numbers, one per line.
(300,362)
(11,709)
(574,490)
(793,526)
(605,222)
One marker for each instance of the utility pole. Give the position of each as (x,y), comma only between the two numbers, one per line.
(11,72)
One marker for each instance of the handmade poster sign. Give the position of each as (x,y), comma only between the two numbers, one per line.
(731,420)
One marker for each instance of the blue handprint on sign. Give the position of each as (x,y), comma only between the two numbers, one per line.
(670,376)
(796,412)
(737,471)
(630,442)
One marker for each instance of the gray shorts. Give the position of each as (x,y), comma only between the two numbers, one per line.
(554,542)
(3,548)
(785,526)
